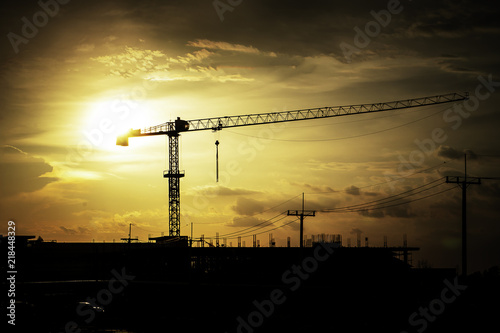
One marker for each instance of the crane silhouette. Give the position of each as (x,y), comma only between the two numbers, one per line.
(174,128)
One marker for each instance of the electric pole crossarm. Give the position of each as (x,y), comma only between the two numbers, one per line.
(299,212)
(462,180)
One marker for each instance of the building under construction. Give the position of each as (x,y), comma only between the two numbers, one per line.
(168,282)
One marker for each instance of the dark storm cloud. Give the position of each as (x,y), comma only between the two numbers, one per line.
(449,153)
(248,222)
(453,154)
(400,211)
(314,188)
(352,190)
(247,206)
(453,19)
(489,189)
(70,231)
(377,213)
(356,231)
(291,27)
(20,172)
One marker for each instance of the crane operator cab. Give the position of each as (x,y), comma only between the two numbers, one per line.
(181,125)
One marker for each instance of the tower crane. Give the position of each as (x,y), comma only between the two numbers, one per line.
(174,128)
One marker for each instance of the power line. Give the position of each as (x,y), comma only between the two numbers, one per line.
(393,205)
(387,181)
(397,196)
(265,211)
(254,226)
(247,234)
(265,231)
(261,223)
(395,199)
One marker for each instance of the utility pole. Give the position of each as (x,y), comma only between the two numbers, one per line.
(130,232)
(301,214)
(130,239)
(191,242)
(464,182)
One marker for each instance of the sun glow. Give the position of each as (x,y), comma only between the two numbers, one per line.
(108,119)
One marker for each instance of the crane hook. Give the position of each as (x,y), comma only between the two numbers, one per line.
(217,160)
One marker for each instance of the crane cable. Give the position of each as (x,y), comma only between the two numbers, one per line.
(217,161)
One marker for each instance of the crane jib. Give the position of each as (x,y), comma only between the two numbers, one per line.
(218,123)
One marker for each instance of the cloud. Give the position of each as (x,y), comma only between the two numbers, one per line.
(21,173)
(248,222)
(352,190)
(196,56)
(335,166)
(449,153)
(190,67)
(489,189)
(454,64)
(134,60)
(402,211)
(314,188)
(208,44)
(377,213)
(453,154)
(246,206)
(68,231)
(471,155)
(224,191)
(356,231)
(79,230)
(85,47)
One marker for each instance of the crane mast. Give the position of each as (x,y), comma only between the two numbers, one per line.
(174,128)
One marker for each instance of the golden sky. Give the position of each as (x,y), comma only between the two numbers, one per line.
(76,74)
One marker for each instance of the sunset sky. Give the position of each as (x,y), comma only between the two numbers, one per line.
(75,75)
